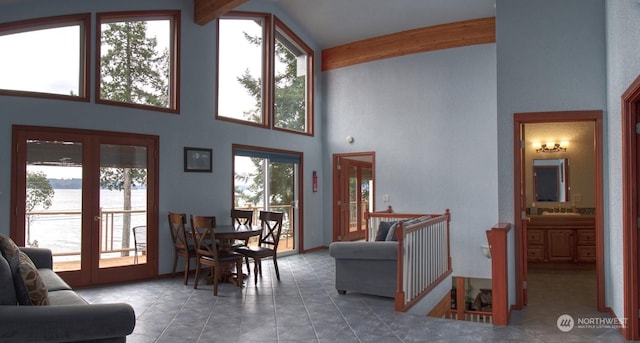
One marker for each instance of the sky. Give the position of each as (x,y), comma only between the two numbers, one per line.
(58,172)
(47,60)
(22,68)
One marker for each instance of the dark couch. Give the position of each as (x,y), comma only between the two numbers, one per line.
(63,315)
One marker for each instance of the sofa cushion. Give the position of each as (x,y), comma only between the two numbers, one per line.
(52,280)
(66,297)
(364,251)
(7,291)
(30,289)
(383,230)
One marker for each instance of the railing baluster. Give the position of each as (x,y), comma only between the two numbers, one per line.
(425,256)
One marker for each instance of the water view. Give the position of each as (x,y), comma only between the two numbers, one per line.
(59,227)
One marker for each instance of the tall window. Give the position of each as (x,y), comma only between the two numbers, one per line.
(240,68)
(265,73)
(292,98)
(138,55)
(45,57)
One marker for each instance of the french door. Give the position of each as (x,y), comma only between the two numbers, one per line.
(269,180)
(83,194)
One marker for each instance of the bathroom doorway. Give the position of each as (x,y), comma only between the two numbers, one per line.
(542,247)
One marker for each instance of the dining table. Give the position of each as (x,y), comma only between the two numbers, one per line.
(226,234)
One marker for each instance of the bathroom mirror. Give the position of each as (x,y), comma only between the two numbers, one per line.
(550,180)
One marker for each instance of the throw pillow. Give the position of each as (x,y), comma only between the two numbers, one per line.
(423,218)
(383,230)
(7,247)
(30,289)
(391,235)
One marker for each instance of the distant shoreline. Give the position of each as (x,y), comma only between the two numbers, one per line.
(72,184)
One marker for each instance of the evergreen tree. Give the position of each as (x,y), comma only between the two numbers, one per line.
(290,99)
(132,71)
(39,193)
(290,113)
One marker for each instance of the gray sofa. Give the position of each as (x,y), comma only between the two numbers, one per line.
(366,267)
(64,315)
(372,267)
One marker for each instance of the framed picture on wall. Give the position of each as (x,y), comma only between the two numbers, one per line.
(197,160)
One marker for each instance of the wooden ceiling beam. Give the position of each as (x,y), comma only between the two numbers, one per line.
(205,11)
(453,35)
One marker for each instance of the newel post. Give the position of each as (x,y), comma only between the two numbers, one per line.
(399,298)
(497,238)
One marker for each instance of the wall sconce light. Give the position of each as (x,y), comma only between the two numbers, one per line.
(551,147)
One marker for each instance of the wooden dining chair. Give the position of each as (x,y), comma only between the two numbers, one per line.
(182,246)
(271,223)
(139,241)
(242,217)
(208,253)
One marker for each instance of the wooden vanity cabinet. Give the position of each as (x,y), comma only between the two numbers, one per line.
(535,245)
(586,248)
(561,242)
(560,245)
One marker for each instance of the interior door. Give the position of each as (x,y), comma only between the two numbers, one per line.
(353,195)
(357,182)
(524,219)
(80,193)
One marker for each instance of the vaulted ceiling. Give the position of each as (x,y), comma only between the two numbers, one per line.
(335,22)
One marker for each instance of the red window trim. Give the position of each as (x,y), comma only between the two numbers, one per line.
(81,19)
(174,77)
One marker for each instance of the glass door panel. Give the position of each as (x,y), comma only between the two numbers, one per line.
(123,205)
(268,183)
(53,210)
(353,200)
(365,196)
(282,199)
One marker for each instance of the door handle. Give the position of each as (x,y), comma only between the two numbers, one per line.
(96,218)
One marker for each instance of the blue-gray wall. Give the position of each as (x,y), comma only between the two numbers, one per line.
(551,57)
(430,118)
(623,66)
(195,125)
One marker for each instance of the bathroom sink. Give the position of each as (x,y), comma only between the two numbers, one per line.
(547,213)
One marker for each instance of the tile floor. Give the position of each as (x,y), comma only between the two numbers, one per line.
(305,307)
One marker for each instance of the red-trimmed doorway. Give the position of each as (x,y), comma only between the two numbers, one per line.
(520,196)
(630,211)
